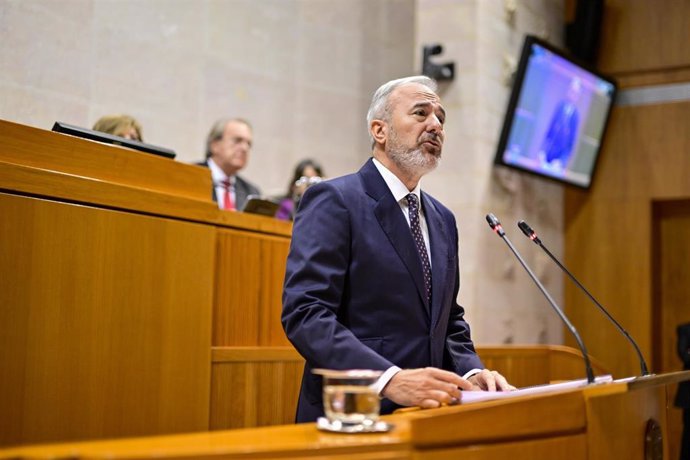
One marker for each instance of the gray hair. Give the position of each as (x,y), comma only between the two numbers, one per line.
(380,109)
(218,129)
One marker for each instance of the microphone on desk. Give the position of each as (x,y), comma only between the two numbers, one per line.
(496,227)
(529,233)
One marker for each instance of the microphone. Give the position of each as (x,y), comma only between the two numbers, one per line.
(527,230)
(496,227)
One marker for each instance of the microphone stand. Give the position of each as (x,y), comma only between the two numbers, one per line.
(496,227)
(527,230)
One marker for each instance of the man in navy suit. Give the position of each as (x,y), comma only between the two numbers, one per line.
(370,285)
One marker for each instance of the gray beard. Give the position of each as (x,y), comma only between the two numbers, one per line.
(411,161)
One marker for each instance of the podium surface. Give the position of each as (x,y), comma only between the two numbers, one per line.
(620,419)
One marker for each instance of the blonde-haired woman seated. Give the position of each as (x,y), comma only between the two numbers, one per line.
(120,125)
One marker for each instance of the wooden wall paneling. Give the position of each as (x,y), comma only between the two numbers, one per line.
(661,77)
(638,36)
(232,397)
(608,229)
(524,370)
(236,306)
(607,248)
(254,386)
(105,322)
(281,378)
(671,298)
(528,365)
(569,365)
(249,281)
(274,252)
(672,219)
(662,142)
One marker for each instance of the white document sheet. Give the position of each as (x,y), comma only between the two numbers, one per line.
(477,396)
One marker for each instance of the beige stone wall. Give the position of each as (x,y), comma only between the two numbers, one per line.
(303,72)
(481,37)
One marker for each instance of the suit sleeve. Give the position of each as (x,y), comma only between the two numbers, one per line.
(314,291)
(461,356)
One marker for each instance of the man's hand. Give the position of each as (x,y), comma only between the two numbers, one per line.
(490,381)
(428,387)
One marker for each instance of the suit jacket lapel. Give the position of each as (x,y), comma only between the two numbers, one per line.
(241,193)
(393,223)
(438,241)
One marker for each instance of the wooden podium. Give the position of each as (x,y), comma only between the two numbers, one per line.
(613,420)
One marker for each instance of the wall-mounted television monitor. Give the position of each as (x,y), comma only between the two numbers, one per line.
(556,117)
(85,133)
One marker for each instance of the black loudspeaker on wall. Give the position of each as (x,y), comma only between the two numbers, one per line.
(582,35)
(438,72)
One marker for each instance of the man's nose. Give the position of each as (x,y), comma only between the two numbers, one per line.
(435,124)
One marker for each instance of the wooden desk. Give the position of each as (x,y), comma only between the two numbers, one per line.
(117,276)
(593,423)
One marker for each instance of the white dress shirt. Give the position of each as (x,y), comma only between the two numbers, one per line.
(218,177)
(400,192)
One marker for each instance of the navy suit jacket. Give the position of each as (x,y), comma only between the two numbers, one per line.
(354,292)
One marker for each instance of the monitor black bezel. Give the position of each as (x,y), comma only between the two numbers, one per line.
(515,97)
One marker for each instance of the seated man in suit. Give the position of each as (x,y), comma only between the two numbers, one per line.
(227,150)
(372,274)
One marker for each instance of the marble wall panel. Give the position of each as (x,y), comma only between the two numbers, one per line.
(302,71)
(483,39)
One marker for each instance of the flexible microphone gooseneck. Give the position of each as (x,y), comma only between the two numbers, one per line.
(529,233)
(496,227)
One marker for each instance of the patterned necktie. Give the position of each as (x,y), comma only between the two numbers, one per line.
(419,242)
(227,197)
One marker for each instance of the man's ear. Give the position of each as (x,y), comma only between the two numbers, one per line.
(379,131)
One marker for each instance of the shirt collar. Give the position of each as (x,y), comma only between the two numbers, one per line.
(395,185)
(217,174)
